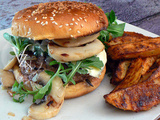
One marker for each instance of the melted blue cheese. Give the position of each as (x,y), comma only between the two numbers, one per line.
(95,72)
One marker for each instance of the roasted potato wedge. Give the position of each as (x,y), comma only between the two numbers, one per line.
(158,61)
(142,96)
(115,80)
(147,75)
(124,40)
(143,49)
(147,63)
(120,71)
(134,34)
(128,37)
(133,74)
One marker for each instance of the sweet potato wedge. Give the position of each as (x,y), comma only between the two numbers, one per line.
(139,97)
(147,75)
(124,40)
(147,63)
(146,48)
(133,75)
(128,37)
(142,96)
(120,71)
(135,34)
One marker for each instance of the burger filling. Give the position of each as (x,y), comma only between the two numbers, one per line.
(33,58)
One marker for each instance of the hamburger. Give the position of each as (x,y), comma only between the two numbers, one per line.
(58,36)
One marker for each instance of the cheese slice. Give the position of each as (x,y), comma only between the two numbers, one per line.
(95,72)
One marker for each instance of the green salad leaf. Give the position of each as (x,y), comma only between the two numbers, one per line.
(20,92)
(18,42)
(114,29)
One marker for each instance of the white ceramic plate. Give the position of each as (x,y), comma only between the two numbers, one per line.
(90,106)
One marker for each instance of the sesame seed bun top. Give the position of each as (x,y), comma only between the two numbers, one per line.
(59,20)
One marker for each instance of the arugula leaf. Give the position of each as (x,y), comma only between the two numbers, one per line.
(20,91)
(12,53)
(18,42)
(47,88)
(51,73)
(92,62)
(111,17)
(114,29)
(79,66)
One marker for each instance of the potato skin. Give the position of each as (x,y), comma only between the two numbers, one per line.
(142,96)
(136,49)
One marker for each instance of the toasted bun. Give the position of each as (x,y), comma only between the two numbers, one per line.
(82,88)
(59,20)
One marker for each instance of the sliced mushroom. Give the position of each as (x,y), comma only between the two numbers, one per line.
(53,103)
(76,42)
(43,77)
(10,64)
(7,78)
(64,54)
(21,78)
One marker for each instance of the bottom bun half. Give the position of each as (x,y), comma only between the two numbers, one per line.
(82,88)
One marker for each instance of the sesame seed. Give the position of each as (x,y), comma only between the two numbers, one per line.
(69,29)
(44,17)
(46,22)
(51,18)
(72,19)
(37,21)
(54,15)
(71,23)
(76,23)
(71,35)
(82,25)
(67,24)
(35,18)
(55,23)
(78,31)
(26,20)
(41,22)
(97,21)
(85,20)
(78,19)
(29,31)
(60,26)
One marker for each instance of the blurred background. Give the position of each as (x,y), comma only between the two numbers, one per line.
(141,13)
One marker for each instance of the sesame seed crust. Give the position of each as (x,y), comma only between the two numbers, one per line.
(59,20)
